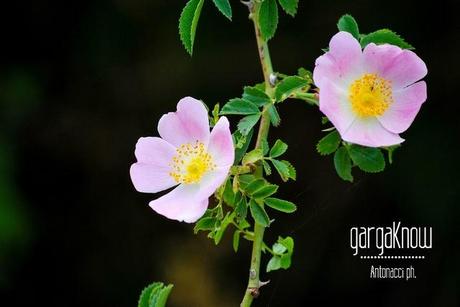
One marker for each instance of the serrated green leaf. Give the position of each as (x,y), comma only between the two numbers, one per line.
(236,240)
(224,7)
(278,149)
(268,19)
(144,298)
(265,191)
(279,248)
(253,156)
(292,170)
(243,141)
(274,264)
(241,209)
(254,185)
(258,213)
(228,195)
(368,159)
(188,23)
(280,204)
(283,169)
(289,6)
(385,36)
(288,86)
(348,24)
(288,242)
(245,179)
(265,146)
(274,116)
(205,223)
(342,163)
(267,168)
(256,96)
(238,106)
(162,297)
(247,123)
(223,226)
(329,144)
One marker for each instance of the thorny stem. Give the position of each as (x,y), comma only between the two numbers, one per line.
(254,283)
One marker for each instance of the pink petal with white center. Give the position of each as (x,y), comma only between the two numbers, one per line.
(151,173)
(406,105)
(221,143)
(187,125)
(401,67)
(334,103)
(369,132)
(181,204)
(341,63)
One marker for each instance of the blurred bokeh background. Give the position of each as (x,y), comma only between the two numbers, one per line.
(81,81)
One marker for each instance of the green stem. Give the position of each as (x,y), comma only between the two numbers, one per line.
(252,289)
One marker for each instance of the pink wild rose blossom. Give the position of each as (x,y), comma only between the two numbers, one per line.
(188,156)
(369,95)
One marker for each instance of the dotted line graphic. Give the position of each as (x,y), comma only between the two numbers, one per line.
(392,257)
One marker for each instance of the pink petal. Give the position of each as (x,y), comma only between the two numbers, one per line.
(148,178)
(334,103)
(211,181)
(341,63)
(187,125)
(405,107)
(221,143)
(369,132)
(151,173)
(181,204)
(402,67)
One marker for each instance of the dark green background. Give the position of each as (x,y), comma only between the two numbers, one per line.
(81,81)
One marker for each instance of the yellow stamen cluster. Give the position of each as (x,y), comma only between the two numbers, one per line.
(190,163)
(370,95)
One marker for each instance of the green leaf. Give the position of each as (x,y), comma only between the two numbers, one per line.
(268,19)
(256,96)
(188,23)
(228,195)
(254,185)
(368,159)
(241,144)
(224,7)
(236,240)
(253,156)
(288,86)
(280,204)
(342,164)
(238,106)
(265,147)
(265,191)
(385,36)
(241,209)
(223,226)
(329,143)
(292,170)
(279,248)
(267,168)
(155,295)
(284,169)
(289,6)
(205,223)
(144,298)
(258,213)
(288,242)
(286,261)
(305,74)
(247,123)
(274,264)
(162,297)
(348,24)
(245,179)
(278,149)
(274,116)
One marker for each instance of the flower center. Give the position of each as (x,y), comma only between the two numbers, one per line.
(370,95)
(190,163)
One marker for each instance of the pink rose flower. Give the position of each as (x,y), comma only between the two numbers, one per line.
(188,156)
(369,95)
